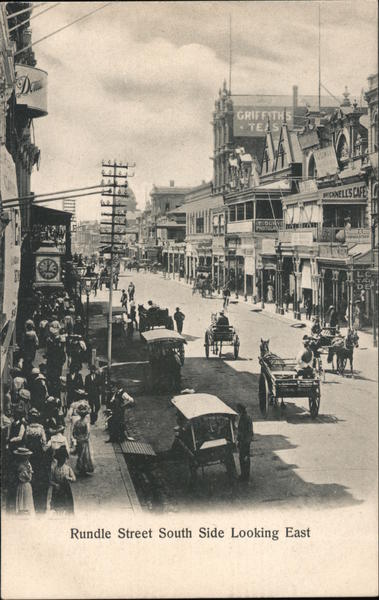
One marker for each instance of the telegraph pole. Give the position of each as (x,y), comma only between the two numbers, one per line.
(112,230)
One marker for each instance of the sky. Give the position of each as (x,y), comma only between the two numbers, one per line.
(137,81)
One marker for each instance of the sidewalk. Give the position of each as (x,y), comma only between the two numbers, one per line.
(110,486)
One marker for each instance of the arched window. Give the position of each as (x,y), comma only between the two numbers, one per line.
(312,170)
(342,151)
(374,132)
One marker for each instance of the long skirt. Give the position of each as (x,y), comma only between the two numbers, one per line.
(24,498)
(62,499)
(84,463)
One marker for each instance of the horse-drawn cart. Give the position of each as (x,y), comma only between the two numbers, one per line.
(279,379)
(218,335)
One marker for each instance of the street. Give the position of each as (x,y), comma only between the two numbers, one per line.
(328,462)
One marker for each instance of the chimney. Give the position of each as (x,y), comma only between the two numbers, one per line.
(172,183)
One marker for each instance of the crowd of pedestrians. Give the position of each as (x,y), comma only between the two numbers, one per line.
(35,444)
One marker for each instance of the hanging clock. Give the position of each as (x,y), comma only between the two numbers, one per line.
(48,266)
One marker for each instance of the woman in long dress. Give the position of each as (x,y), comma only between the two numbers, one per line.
(81,434)
(24,493)
(61,477)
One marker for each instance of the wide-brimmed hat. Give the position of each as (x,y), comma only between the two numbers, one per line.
(50,400)
(22,452)
(34,413)
(35,371)
(40,376)
(81,392)
(29,322)
(83,409)
(24,394)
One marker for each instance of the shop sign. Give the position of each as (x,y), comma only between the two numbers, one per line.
(266,225)
(354,191)
(333,251)
(362,280)
(31,89)
(308,186)
(359,235)
(326,161)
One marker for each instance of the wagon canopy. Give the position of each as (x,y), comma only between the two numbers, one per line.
(162,335)
(198,405)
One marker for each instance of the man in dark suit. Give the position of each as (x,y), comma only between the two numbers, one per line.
(92,386)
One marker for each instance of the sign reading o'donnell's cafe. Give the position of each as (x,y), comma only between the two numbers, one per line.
(354,192)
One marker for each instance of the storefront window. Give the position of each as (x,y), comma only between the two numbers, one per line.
(240,212)
(200,225)
(249,210)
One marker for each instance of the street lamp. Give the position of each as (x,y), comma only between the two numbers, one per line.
(89,281)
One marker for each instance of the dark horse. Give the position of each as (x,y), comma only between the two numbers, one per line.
(343,349)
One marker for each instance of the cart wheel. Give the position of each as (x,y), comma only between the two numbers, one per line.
(206,344)
(264,395)
(341,364)
(236,347)
(314,403)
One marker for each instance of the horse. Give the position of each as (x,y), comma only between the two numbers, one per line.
(273,360)
(343,349)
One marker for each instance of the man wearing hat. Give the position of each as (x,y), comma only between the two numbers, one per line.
(222,320)
(38,390)
(244,438)
(92,387)
(304,359)
(179,318)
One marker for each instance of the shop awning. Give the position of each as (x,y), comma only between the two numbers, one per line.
(359,250)
(41,215)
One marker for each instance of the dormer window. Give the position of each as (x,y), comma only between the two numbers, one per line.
(312,170)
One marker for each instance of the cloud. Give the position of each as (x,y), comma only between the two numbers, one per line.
(138,81)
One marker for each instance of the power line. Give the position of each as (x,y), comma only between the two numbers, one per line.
(35,196)
(32,17)
(24,10)
(61,29)
(15,204)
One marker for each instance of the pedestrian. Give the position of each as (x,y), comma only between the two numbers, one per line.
(38,390)
(29,346)
(81,433)
(61,477)
(24,493)
(286,299)
(270,293)
(179,318)
(124,300)
(115,281)
(74,382)
(117,421)
(226,296)
(35,441)
(79,327)
(131,290)
(92,387)
(133,314)
(308,308)
(244,437)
